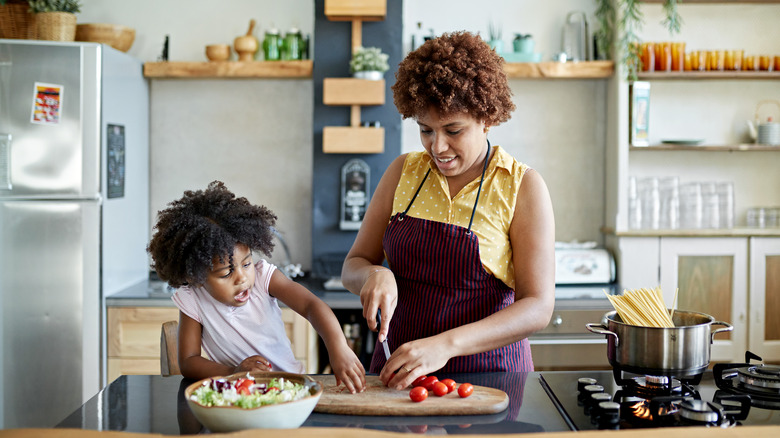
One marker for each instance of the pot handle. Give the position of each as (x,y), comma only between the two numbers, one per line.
(728,327)
(601,330)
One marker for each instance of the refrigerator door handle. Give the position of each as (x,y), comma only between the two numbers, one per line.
(5,162)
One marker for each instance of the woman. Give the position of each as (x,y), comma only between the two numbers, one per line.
(468,232)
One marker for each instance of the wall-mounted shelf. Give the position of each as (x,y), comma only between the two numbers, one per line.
(703,75)
(349,91)
(353,140)
(229,69)
(349,10)
(560,70)
(749,147)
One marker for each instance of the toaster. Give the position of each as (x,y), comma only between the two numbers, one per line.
(584,266)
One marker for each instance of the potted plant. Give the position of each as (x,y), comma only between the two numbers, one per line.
(368,63)
(619,21)
(55,20)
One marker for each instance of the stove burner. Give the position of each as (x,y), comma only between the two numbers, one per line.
(761,382)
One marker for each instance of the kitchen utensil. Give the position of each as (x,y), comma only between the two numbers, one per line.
(247,45)
(378,399)
(276,416)
(385,348)
(218,52)
(575,37)
(681,350)
(115,35)
(767,132)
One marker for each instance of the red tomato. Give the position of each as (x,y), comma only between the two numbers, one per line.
(440,389)
(429,381)
(451,385)
(465,389)
(243,386)
(418,394)
(418,381)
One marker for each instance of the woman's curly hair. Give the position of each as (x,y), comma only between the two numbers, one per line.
(202,225)
(456,72)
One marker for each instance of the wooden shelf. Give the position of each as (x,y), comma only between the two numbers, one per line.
(703,75)
(229,69)
(703,232)
(749,147)
(353,140)
(560,70)
(350,91)
(348,10)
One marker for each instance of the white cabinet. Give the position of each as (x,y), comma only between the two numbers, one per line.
(765,298)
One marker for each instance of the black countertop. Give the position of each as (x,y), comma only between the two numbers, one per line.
(156,404)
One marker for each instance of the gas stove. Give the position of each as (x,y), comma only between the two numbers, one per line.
(729,396)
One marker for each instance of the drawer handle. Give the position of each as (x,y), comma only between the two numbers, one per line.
(558,320)
(601,330)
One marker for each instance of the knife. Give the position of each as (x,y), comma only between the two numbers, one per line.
(378,327)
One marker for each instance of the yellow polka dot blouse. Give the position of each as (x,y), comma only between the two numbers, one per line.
(494,212)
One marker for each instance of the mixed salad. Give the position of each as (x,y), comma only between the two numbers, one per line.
(247,393)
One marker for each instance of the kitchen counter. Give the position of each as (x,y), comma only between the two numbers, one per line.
(142,405)
(156,404)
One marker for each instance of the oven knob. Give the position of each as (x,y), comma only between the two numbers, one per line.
(586,392)
(582,382)
(609,415)
(591,407)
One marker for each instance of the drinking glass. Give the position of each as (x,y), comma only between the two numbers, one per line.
(715,60)
(749,63)
(690,205)
(765,63)
(733,60)
(650,199)
(772,217)
(678,56)
(669,191)
(663,56)
(710,205)
(726,199)
(648,56)
(756,217)
(699,60)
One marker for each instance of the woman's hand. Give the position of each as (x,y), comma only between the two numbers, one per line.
(348,369)
(414,359)
(254,363)
(379,291)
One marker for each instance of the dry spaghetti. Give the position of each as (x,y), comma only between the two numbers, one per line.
(642,307)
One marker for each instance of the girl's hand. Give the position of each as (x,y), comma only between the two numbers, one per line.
(348,369)
(254,363)
(380,291)
(420,357)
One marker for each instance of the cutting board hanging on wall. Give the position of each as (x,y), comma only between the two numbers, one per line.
(378,399)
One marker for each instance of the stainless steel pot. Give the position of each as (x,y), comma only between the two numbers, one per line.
(682,350)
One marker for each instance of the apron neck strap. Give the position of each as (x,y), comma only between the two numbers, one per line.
(481,180)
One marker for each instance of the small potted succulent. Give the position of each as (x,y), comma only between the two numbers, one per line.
(368,63)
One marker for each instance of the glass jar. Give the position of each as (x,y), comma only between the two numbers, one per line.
(292,45)
(272,45)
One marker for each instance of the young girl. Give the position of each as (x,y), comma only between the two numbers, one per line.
(227,303)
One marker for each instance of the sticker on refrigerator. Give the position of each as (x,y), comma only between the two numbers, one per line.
(115,168)
(47,104)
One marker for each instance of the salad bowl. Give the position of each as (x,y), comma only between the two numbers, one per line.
(282,412)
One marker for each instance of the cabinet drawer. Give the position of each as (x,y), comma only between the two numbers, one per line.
(134,332)
(571,323)
(118,366)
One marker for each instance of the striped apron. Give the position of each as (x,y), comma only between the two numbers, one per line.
(442,285)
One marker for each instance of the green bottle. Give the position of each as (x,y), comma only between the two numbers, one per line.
(272,45)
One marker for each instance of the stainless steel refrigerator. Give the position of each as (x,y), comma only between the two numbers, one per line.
(74,217)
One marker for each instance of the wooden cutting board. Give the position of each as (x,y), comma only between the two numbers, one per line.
(378,399)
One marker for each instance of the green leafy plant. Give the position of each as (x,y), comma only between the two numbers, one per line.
(368,59)
(72,6)
(621,20)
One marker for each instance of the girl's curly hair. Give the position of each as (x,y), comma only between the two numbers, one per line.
(456,72)
(202,225)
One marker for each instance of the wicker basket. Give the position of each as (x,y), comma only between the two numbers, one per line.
(55,26)
(16,22)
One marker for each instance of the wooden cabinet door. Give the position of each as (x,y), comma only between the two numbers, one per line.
(303,339)
(711,274)
(765,298)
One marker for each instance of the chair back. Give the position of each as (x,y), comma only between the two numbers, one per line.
(169,348)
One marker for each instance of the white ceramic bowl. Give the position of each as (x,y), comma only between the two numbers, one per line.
(286,415)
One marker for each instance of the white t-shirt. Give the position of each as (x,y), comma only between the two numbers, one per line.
(231,334)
